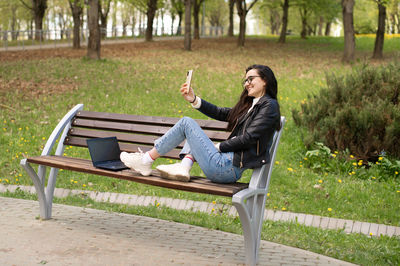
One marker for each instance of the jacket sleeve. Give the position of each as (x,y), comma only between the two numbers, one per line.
(213,111)
(254,127)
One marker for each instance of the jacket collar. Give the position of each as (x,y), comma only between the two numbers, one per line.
(263,99)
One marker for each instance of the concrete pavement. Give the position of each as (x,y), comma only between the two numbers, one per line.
(80,236)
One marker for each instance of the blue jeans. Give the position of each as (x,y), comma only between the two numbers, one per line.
(217,166)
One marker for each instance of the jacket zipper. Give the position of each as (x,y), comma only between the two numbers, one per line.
(258,147)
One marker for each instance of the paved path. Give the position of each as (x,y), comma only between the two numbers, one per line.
(348,226)
(79,236)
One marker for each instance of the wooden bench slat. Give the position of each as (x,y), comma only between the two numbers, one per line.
(125,137)
(196,184)
(153,120)
(81,142)
(137,128)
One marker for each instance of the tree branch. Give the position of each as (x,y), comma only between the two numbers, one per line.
(251,5)
(26,5)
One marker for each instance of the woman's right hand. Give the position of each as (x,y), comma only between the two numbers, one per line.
(187,96)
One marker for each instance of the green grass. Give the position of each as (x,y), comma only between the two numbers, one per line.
(144,79)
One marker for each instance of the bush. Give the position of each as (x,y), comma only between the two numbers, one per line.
(359,113)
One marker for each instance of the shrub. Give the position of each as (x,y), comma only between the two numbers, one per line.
(359,112)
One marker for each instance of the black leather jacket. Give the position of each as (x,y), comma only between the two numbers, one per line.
(251,138)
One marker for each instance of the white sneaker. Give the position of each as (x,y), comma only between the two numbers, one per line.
(174,171)
(134,161)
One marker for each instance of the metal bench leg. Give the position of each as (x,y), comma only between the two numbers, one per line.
(45,209)
(251,213)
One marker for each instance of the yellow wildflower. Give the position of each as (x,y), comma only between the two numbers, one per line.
(373,177)
(351,156)
(320,181)
(380,158)
(290,169)
(283,209)
(214,202)
(340,180)
(329,209)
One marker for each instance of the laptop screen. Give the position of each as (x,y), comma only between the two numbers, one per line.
(103,149)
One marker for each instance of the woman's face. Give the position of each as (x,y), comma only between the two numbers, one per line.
(254,84)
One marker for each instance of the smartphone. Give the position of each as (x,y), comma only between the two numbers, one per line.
(189,79)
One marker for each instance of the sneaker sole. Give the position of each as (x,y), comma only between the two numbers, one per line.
(174,177)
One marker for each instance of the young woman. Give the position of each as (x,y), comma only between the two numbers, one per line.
(252,122)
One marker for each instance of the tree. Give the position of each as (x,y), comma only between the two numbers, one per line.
(38,8)
(151,13)
(77,10)
(285,8)
(216,14)
(178,6)
(196,10)
(104,9)
(242,10)
(231,7)
(380,33)
(348,25)
(94,44)
(188,31)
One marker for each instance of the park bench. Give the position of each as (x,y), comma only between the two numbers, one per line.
(132,132)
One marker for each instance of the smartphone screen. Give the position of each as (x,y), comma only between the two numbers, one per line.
(189,79)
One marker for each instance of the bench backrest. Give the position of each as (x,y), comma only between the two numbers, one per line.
(132,131)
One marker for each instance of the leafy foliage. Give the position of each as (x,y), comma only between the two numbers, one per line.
(359,112)
(322,159)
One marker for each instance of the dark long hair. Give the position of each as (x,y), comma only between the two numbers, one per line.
(245,101)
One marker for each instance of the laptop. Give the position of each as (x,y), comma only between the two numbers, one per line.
(105,153)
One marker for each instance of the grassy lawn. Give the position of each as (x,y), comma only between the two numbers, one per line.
(38,87)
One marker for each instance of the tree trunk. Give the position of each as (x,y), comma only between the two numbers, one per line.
(348,25)
(303,15)
(39,8)
(77,11)
(93,49)
(151,13)
(188,18)
(231,7)
(380,33)
(196,11)
(320,26)
(179,29)
(328,28)
(241,10)
(282,37)
(103,18)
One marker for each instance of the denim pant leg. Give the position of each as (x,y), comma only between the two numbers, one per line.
(217,166)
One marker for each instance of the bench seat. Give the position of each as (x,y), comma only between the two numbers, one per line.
(196,184)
